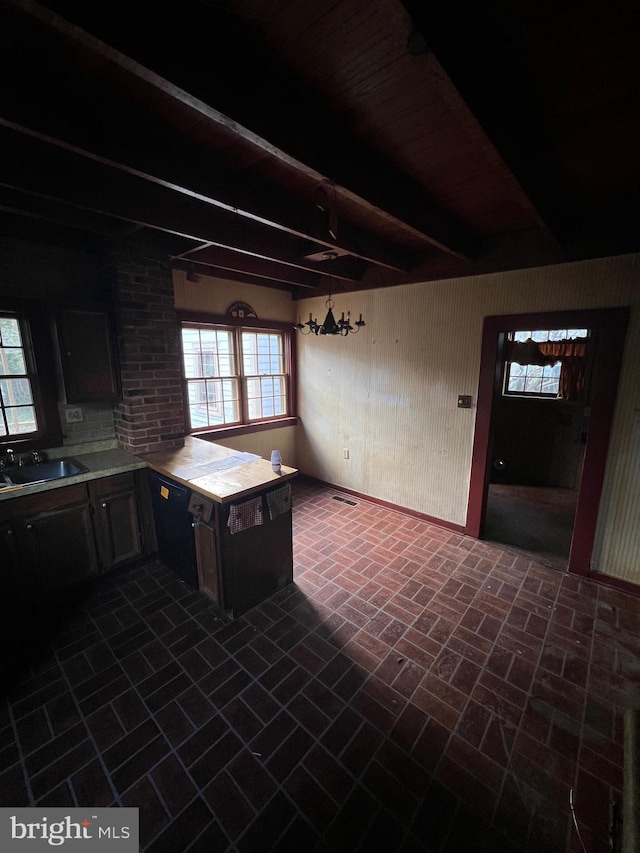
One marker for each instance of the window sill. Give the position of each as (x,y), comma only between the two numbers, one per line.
(212,434)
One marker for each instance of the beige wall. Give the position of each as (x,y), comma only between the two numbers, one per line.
(213,296)
(389,394)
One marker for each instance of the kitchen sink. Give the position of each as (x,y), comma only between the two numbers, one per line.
(43,472)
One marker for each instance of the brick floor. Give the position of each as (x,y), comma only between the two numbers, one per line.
(413,690)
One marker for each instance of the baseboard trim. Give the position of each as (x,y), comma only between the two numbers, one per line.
(421,516)
(615,583)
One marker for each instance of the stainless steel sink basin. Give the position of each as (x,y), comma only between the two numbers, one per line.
(43,472)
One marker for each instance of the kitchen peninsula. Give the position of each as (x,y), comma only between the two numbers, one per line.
(223,521)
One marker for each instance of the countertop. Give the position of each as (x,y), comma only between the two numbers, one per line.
(187,465)
(102,458)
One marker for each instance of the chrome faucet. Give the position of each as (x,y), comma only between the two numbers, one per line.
(10,458)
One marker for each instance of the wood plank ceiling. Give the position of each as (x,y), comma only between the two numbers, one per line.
(326,145)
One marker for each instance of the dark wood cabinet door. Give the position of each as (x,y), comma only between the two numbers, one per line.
(117,529)
(87,356)
(16,579)
(116,517)
(254,563)
(60,547)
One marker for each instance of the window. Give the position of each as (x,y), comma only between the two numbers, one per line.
(29,417)
(528,370)
(533,379)
(235,375)
(18,414)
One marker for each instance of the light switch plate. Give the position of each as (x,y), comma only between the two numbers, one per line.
(464,401)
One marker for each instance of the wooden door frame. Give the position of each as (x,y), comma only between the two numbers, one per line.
(611,325)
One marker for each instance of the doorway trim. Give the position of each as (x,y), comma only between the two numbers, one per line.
(610,325)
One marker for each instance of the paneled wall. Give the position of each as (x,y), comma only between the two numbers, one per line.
(389,394)
(214,296)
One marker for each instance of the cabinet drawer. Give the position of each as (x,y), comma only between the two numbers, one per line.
(115,483)
(43,501)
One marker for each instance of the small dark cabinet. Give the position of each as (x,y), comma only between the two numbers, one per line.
(58,539)
(15,572)
(116,520)
(255,563)
(86,356)
(59,546)
(238,571)
(47,542)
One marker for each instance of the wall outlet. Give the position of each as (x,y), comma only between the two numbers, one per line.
(345,453)
(73,416)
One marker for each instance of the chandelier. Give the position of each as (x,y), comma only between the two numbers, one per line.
(331,326)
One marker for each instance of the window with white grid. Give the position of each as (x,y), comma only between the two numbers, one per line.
(18,416)
(537,380)
(233,376)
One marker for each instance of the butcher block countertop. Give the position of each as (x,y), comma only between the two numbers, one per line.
(217,472)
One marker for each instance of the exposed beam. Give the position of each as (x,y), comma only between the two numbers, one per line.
(334,159)
(243,278)
(50,168)
(258,203)
(272,248)
(225,259)
(18,203)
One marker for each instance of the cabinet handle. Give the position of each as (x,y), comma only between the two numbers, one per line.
(104,505)
(29,526)
(9,532)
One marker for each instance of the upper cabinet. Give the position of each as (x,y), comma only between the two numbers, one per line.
(87,357)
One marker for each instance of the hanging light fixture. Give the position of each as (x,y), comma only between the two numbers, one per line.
(331,326)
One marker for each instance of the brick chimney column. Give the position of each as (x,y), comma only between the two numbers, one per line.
(150,415)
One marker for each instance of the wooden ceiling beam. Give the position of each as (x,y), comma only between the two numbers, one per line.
(254,202)
(195,270)
(272,249)
(309,144)
(225,259)
(48,210)
(38,164)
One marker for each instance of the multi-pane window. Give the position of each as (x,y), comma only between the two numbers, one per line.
(233,375)
(537,380)
(263,369)
(213,395)
(17,404)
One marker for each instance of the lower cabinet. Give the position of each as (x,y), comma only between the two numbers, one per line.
(59,546)
(55,540)
(114,503)
(238,571)
(48,538)
(17,578)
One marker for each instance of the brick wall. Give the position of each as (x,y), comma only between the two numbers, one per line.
(150,416)
(96,424)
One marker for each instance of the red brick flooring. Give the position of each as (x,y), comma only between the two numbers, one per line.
(504,680)
(413,690)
